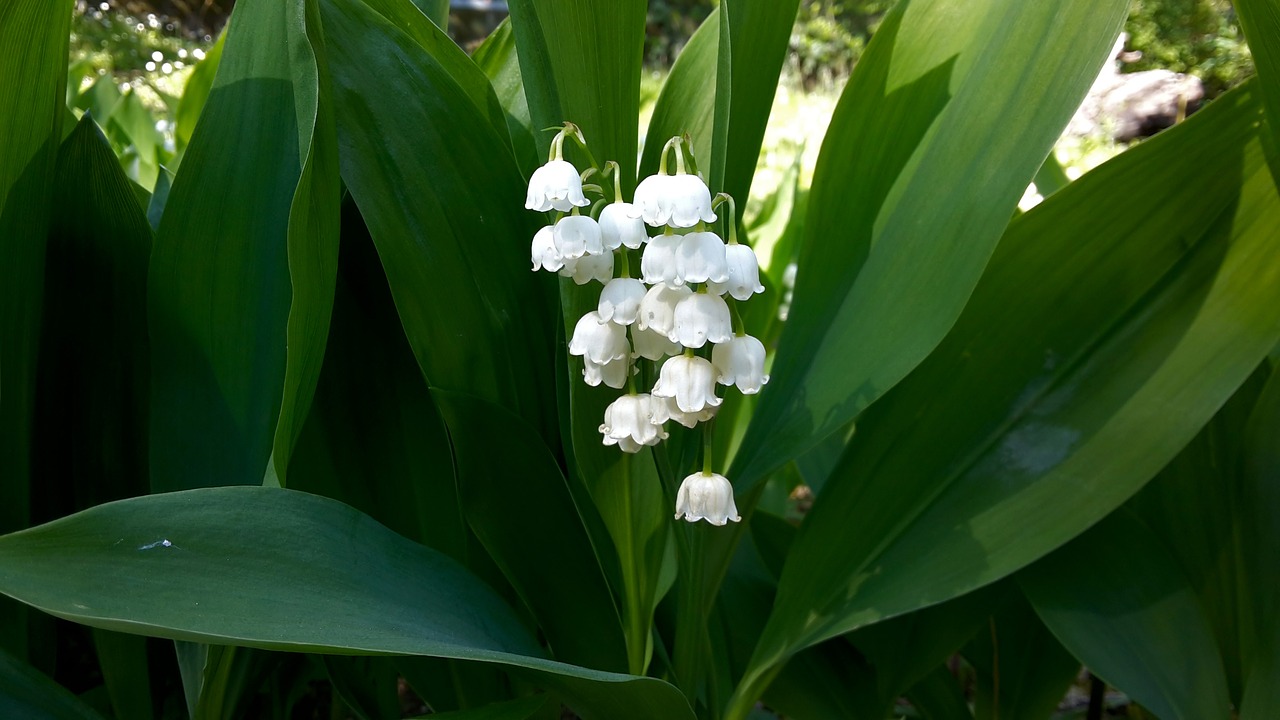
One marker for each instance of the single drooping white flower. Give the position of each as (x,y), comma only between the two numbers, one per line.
(577,235)
(543,251)
(651,344)
(555,186)
(658,264)
(706,496)
(618,228)
(689,379)
(620,300)
(633,421)
(744,274)
(589,267)
(658,308)
(740,362)
(699,318)
(613,373)
(700,258)
(689,419)
(681,200)
(599,340)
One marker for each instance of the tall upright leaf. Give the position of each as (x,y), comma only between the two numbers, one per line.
(580,61)
(33,71)
(222,298)
(1260,543)
(426,155)
(1260,20)
(946,119)
(1095,347)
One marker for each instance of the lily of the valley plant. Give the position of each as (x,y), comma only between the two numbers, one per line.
(288,428)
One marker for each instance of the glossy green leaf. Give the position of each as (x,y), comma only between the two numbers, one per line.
(580,61)
(91,396)
(931,146)
(687,102)
(519,506)
(221,337)
(27,693)
(1021,670)
(312,240)
(196,93)
(1118,601)
(33,70)
(374,438)
(938,696)
(726,139)
(1260,20)
(363,591)
(1097,344)
(1214,544)
(518,709)
(497,57)
(1260,543)
(125,672)
(432,173)
(132,126)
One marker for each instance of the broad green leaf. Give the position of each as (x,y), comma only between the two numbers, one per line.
(497,57)
(727,127)
(518,709)
(1196,508)
(580,61)
(939,697)
(1118,601)
(312,240)
(437,11)
(1109,327)
(33,71)
(687,102)
(133,127)
(362,591)
(518,504)
(91,396)
(1260,20)
(1260,543)
(932,144)
(433,176)
(374,438)
(125,672)
(27,693)
(156,203)
(196,93)
(221,337)
(1021,670)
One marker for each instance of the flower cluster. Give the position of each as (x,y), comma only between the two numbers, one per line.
(679,313)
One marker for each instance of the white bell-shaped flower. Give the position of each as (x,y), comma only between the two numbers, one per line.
(680,200)
(612,373)
(620,300)
(691,380)
(658,264)
(589,267)
(633,421)
(700,257)
(658,308)
(618,228)
(555,186)
(651,344)
(740,362)
(577,235)
(700,318)
(706,496)
(689,419)
(598,340)
(744,274)
(544,253)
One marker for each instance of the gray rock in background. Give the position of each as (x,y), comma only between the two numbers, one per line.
(1127,106)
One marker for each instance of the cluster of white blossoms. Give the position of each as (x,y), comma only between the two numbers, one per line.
(679,313)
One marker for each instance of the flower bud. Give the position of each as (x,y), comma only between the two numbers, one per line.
(658,263)
(633,421)
(690,380)
(677,200)
(577,235)
(619,228)
(543,252)
(589,267)
(700,257)
(740,362)
(699,318)
(598,340)
(620,300)
(743,276)
(658,308)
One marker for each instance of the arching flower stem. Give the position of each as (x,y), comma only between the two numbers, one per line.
(731,220)
(610,165)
